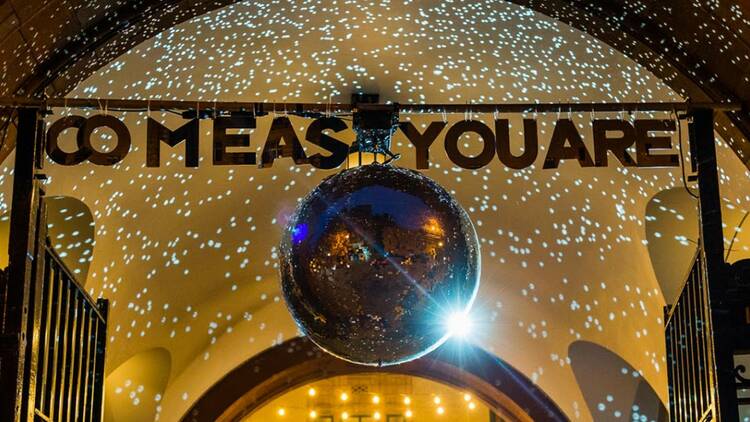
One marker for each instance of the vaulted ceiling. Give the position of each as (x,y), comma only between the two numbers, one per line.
(202,285)
(701,48)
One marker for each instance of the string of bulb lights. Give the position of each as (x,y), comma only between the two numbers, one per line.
(437,402)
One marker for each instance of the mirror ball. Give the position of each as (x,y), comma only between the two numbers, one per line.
(374,260)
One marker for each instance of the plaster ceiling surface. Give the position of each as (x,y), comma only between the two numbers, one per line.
(188,256)
(700,48)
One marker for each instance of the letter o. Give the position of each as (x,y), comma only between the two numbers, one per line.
(53,148)
(455,155)
(123,139)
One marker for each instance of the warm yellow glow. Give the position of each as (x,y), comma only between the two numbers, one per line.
(432,226)
(369,395)
(281,411)
(311,392)
(367,158)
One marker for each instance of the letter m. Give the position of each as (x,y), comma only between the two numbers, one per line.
(156,133)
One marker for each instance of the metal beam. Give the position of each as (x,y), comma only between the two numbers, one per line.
(111,104)
(712,240)
(22,251)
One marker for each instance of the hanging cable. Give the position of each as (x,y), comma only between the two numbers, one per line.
(682,159)
(736,232)
(4,128)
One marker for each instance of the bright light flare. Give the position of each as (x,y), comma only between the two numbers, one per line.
(458,325)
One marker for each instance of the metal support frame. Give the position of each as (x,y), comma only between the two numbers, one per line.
(16,305)
(210,108)
(18,318)
(716,271)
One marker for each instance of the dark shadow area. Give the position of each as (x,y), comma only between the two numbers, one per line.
(613,390)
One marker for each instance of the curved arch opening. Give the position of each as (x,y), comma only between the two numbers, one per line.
(257,382)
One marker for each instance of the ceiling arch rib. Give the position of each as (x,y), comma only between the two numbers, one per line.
(683,43)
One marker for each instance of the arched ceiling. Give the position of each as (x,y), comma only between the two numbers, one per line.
(701,49)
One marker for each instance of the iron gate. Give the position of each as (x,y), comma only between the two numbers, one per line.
(690,351)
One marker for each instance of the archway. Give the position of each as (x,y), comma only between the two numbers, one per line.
(266,376)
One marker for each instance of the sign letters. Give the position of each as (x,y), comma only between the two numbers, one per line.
(638,143)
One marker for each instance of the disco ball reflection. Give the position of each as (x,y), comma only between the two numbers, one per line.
(373,260)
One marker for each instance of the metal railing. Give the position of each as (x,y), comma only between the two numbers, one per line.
(70,348)
(690,351)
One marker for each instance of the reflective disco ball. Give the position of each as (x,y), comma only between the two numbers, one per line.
(374,260)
